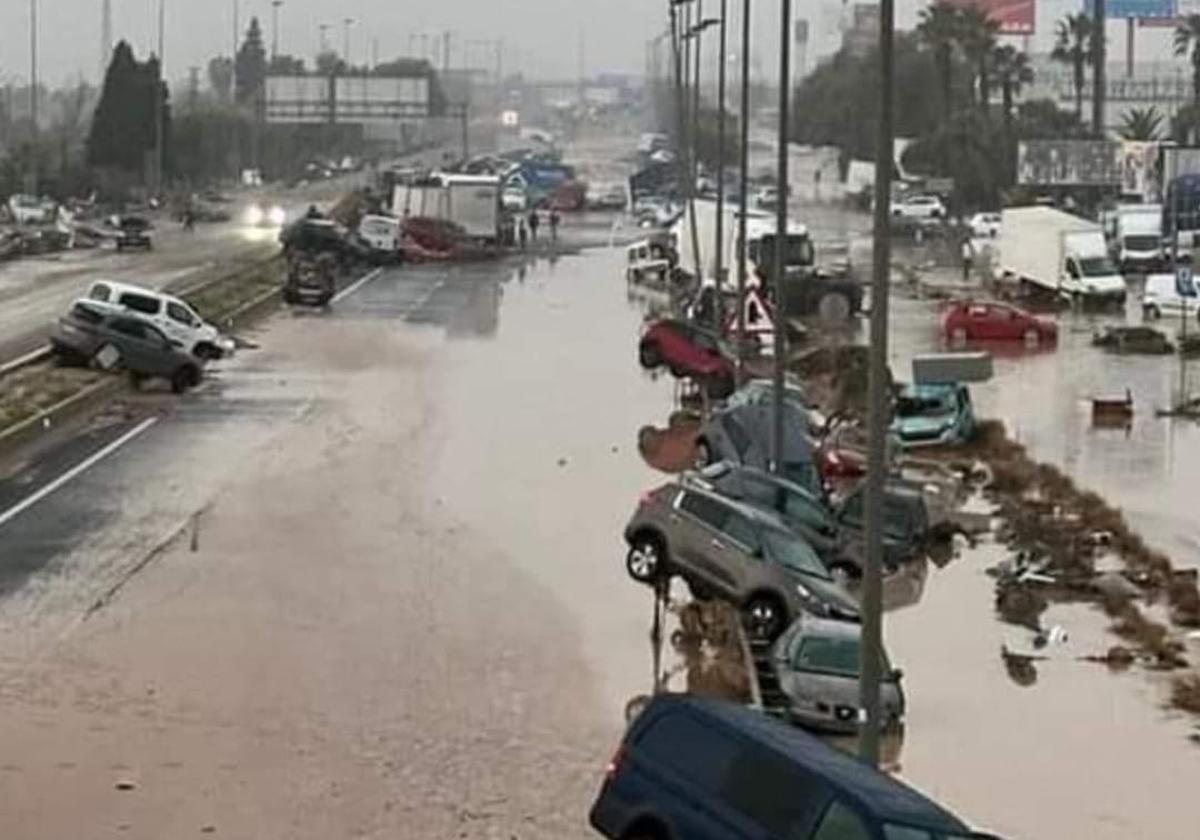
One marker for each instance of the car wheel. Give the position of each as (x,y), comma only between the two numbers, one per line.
(958,337)
(704,455)
(207,352)
(649,355)
(1031,337)
(834,306)
(107,357)
(1152,312)
(184,378)
(646,559)
(764,617)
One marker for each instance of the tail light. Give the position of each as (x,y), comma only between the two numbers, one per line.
(614,763)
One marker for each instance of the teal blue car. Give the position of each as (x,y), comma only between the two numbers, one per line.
(933,415)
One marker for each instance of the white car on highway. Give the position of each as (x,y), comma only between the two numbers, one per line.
(985,225)
(181,324)
(918,207)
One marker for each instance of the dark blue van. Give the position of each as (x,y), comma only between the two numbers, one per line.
(697,769)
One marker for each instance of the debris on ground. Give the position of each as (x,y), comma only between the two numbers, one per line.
(1141,340)
(1185,693)
(672,450)
(1117,658)
(708,643)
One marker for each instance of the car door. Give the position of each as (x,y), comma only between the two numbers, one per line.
(139,350)
(180,325)
(703,546)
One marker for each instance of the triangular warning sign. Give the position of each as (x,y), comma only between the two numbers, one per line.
(759,319)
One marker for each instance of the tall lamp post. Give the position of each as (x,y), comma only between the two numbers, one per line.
(346,24)
(778,271)
(275,4)
(686,142)
(33,93)
(159,111)
(718,249)
(743,176)
(696,33)
(877,399)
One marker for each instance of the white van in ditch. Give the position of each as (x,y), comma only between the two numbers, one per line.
(1167,295)
(181,324)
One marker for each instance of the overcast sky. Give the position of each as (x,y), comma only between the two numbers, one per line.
(541,37)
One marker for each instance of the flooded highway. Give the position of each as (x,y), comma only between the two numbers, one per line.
(398,534)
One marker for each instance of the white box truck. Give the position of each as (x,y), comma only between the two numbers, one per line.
(1060,253)
(1138,245)
(470,201)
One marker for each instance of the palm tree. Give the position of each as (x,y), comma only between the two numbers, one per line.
(1141,124)
(1073,46)
(977,35)
(1013,72)
(938,28)
(1187,39)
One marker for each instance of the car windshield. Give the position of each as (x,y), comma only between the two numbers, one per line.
(1096,266)
(829,655)
(793,553)
(893,831)
(1142,242)
(930,403)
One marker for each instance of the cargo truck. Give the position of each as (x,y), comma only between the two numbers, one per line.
(470,201)
(1138,246)
(1057,252)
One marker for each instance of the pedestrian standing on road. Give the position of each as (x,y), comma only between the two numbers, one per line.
(522,234)
(968,256)
(554,224)
(534,221)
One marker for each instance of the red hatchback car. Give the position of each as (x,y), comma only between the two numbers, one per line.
(992,321)
(688,350)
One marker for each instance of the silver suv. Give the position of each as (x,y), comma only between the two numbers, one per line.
(725,548)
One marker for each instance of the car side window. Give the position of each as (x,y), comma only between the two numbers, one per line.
(741,530)
(86,314)
(153,334)
(840,823)
(708,511)
(129,327)
(179,313)
(804,509)
(737,435)
(100,291)
(140,303)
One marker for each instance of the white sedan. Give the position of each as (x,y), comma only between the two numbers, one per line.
(918,207)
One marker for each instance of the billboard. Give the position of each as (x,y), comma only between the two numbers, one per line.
(1140,9)
(1076,163)
(1140,173)
(346,99)
(1015,17)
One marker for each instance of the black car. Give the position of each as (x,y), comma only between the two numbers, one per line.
(691,768)
(310,280)
(321,235)
(134,232)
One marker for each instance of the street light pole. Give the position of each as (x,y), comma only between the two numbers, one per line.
(346,22)
(159,110)
(777,269)
(718,255)
(871,649)
(33,93)
(743,166)
(323,28)
(275,4)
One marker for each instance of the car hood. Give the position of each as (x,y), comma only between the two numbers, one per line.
(828,592)
(834,689)
(922,426)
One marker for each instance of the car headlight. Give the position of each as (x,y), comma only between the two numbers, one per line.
(277,217)
(804,591)
(254,215)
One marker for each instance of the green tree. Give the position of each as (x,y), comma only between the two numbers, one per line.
(938,29)
(286,65)
(1013,72)
(977,36)
(1073,46)
(123,126)
(330,63)
(251,66)
(1141,124)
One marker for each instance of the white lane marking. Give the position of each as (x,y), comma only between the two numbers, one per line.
(357,284)
(89,462)
(21,361)
(419,305)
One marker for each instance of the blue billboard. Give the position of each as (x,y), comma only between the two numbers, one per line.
(1143,9)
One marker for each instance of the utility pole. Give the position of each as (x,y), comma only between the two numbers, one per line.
(778,269)
(275,4)
(871,648)
(743,167)
(1098,84)
(446,51)
(33,93)
(105,38)
(159,111)
(720,244)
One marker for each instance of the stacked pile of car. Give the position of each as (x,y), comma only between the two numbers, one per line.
(145,333)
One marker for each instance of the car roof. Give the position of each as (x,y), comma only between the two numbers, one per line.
(731,468)
(697,484)
(872,792)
